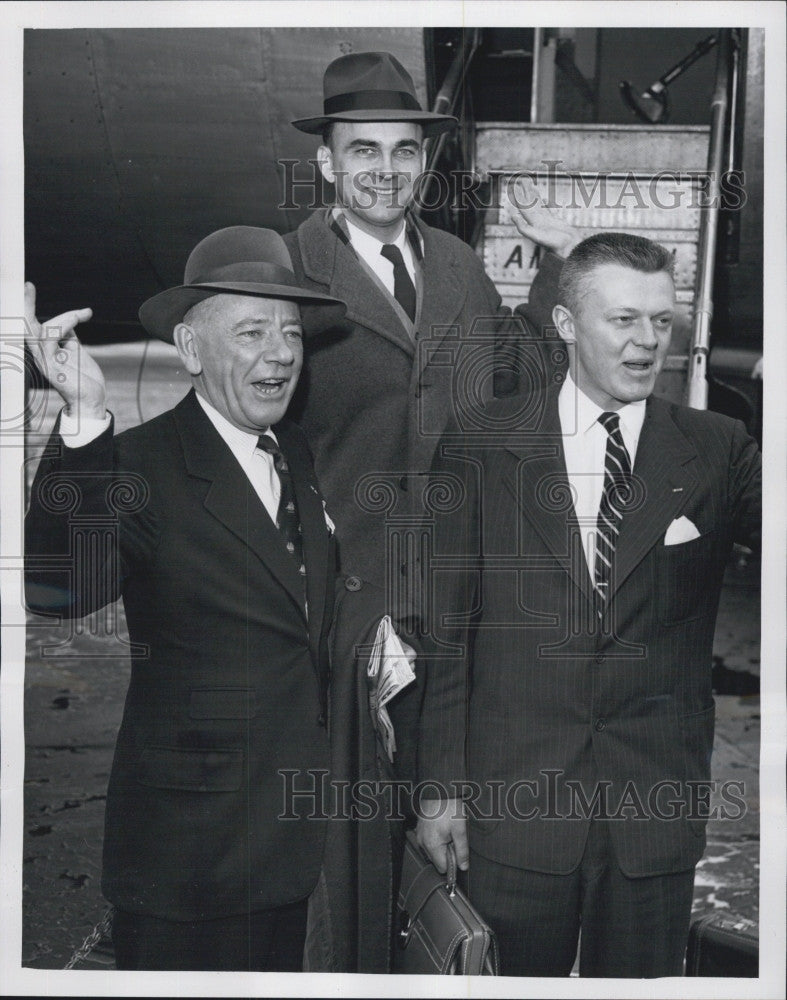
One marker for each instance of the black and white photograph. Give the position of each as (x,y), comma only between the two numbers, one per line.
(389,604)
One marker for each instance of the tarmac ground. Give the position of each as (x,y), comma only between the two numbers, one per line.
(75,683)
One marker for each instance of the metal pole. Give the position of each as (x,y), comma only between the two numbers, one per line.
(697,387)
(733,104)
(535,85)
(445,103)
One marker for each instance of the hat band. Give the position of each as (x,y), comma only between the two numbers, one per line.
(371,100)
(255,271)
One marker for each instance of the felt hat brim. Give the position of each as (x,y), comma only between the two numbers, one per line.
(432,123)
(161,313)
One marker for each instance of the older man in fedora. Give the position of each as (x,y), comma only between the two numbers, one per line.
(209,523)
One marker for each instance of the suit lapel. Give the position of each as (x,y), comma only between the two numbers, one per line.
(442,295)
(407,324)
(545,494)
(664,480)
(329,262)
(230,497)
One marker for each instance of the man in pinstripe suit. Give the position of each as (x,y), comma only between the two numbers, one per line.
(572,584)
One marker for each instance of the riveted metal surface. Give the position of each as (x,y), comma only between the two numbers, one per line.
(143,141)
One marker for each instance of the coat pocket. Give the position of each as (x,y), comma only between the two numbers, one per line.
(191,770)
(688,579)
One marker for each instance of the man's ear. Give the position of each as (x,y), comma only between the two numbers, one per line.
(564,322)
(186,343)
(325,163)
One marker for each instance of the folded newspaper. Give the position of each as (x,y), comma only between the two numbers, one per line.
(388,672)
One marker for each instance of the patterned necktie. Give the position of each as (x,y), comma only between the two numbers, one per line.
(287,520)
(617,486)
(404,289)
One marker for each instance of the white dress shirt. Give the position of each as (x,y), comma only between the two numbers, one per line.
(258,465)
(368,249)
(584,447)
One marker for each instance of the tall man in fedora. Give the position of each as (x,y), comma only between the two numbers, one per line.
(209,522)
(381,387)
(422,335)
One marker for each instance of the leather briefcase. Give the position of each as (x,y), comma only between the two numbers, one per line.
(439,931)
(723,945)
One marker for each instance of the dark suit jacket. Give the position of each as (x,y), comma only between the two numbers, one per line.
(228,682)
(373,402)
(554,696)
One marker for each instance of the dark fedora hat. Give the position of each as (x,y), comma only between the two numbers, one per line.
(239,260)
(371,87)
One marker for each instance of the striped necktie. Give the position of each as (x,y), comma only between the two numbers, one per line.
(617,486)
(404,289)
(287,520)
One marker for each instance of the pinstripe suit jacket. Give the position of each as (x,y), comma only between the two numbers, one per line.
(552,706)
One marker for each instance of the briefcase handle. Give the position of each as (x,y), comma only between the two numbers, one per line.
(451,869)
(450,874)
(450,877)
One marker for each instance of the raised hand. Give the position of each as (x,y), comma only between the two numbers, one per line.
(537,222)
(62,359)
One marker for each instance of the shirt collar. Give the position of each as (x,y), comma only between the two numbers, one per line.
(579,413)
(370,246)
(236,439)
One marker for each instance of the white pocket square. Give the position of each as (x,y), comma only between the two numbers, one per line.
(681,530)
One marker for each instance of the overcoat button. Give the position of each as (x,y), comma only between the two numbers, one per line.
(353,583)
(601,725)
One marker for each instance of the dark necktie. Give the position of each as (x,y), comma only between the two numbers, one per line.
(617,485)
(404,289)
(287,520)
